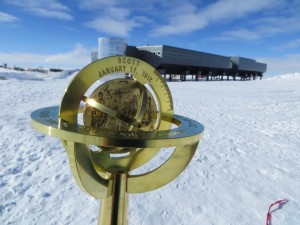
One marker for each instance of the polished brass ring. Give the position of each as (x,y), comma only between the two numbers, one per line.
(46,120)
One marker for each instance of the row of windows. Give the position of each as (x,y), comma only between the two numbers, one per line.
(174,54)
(187,56)
(154,53)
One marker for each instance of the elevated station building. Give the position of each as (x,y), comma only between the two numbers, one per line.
(173,62)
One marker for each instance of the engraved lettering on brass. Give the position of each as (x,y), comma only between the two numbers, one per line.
(112,69)
(147,76)
(129,61)
(45,113)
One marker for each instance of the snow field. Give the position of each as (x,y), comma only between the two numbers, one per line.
(247,159)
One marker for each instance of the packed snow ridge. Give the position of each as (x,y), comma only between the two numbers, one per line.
(27,75)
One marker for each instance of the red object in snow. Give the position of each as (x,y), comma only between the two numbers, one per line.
(269,213)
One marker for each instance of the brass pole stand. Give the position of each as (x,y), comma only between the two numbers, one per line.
(114,210)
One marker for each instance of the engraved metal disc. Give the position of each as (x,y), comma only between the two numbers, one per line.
(128,99)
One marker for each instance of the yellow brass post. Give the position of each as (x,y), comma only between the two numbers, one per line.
(114,210)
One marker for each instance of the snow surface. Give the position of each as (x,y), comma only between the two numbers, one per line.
(247,159)
(26,75)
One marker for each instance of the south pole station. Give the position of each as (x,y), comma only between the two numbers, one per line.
(182,64)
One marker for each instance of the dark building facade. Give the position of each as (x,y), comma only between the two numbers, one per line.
(172,61)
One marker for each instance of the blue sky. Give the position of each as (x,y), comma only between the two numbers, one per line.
(62,33)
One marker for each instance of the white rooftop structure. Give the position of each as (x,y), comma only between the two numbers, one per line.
(111,47)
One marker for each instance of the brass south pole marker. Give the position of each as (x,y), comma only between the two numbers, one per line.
(110,125)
